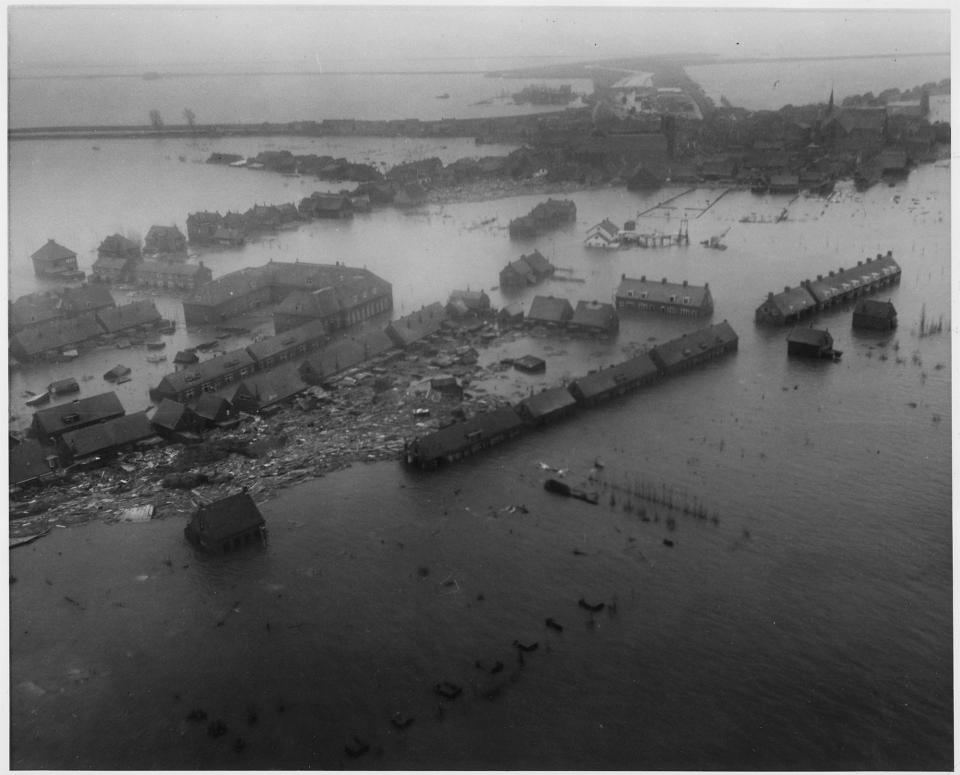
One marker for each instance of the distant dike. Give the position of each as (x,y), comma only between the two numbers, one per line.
(667,71)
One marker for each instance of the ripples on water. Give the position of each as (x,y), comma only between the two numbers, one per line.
(808,628)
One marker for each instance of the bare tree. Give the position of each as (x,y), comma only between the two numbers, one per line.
(155,119)
(190,116)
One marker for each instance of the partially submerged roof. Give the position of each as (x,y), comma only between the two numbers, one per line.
(108,436)
(138,313)
(227,517)
(662,291)
(690,345)
(459,435)
(629,372)
(548,402)
(77,413)
(550,309)
(810,336)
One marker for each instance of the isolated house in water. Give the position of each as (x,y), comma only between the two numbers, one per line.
(876,315)
(57,262)
(227,524)
(811,343)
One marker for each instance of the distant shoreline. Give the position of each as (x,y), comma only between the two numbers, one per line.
(689,60)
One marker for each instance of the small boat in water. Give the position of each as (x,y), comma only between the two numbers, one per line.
(62,386)
(38,400)
(117,373)
(156,358)
(562,488)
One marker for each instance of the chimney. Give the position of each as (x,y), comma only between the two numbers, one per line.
(831,273)
(841,269)
(786,288)
(663,281)
(643,278)
(819,277)
(684,283)
(889,254)
(859,263)
(769,295)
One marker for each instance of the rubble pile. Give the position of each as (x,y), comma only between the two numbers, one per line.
(360,416)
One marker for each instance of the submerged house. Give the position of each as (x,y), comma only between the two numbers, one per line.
(176,422)
(594,317)
(613,381)
(227,524)
(876,315)
(417,325)
(56,262)
(670,298)
(811,343)
(547,405)
(463,438)
(605,234)
(786,307)
(106,438)
(466,303)
(53,422)
(694,348)
(550,311)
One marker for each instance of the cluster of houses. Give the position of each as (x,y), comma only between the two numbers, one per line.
(836,287)
(488,429)
(334,294)
(546,216)
(233,229)
(526,270)
(160,263)
(54,325)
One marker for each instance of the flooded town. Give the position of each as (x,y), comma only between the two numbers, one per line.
(583,413)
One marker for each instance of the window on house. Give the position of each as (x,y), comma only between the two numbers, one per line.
(686,299)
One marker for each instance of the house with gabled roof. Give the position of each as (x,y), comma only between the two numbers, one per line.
(86,298)
(418,325)
(210,375)
(31,463)
(874,315)
(549,311)
(614,380)
(605,234)
(227,524)
(662,296)
(215,410)
(594,317)
(54,421)
(546,406)
(694,348)
(464,303)
(327,362)
(34,309)
(176,421)
(786,307)
(293,343)
(164,241)
(128,316)
(181,275)
(267,388)
(463,438)
(53,336)
(55,261)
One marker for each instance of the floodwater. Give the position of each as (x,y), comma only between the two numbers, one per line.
(802,622)
(801,618)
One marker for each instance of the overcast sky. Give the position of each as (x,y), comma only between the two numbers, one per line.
(336,37)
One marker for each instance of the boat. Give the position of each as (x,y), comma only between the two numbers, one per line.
(121,380)
(562,488)
(38,400)
(156,345)
(62,386)
(116,373)
(156,358)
